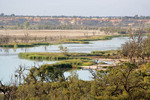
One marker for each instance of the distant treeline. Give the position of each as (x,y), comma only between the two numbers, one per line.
(63,16)
(71,22)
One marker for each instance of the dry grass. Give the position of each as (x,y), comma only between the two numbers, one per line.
(52,33)
(26,36)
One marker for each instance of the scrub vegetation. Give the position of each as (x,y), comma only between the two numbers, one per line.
(125,81)
(93,38)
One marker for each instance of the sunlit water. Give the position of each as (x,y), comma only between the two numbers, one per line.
(9,60)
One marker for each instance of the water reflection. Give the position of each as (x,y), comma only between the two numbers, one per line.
(83,74)
(113,44)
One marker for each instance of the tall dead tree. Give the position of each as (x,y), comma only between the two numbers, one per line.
(19,73)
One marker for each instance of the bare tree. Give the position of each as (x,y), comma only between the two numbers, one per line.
(19,73)
(94,72)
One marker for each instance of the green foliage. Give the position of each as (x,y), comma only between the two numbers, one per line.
(52,56)
(66,56)
(63,49)
(74,89)
(107,53)
(123,82)
(88,63)
(1,96)
(95,38)
(148,30)
(137,49)
(73,63)
(72,41)
(26,25)
(46,73)
(119,30)
(125,79)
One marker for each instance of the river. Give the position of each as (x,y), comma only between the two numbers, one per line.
(9,60)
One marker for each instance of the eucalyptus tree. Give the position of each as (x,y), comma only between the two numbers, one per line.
(134,47)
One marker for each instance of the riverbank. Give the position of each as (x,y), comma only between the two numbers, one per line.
(84,40)
(94,38)
(27,38)
(22,45)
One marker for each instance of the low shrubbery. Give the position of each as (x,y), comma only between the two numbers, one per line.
(107,53)
(123,82)
(95,38)
(66,56)
(44,56)
(71,41)
(73,63)
(53,56)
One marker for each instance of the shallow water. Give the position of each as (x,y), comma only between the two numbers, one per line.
(9,60)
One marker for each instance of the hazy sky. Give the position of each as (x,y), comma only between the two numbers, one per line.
(76,7)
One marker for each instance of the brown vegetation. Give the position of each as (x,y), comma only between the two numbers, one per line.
(44,35)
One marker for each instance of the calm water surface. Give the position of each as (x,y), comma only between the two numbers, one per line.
(9,60)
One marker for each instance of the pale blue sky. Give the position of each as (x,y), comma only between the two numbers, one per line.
(76,7)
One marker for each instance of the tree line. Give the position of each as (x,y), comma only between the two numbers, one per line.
(63,16)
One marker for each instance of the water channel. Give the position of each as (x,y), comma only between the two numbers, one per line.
(9,60)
